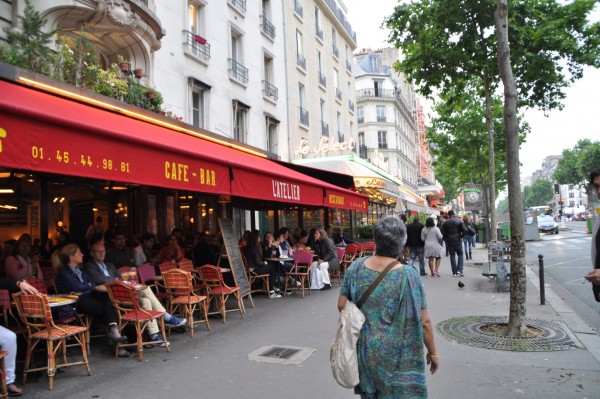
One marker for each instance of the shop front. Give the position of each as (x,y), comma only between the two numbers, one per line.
(72,156)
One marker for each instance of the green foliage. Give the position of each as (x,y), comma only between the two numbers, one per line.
(502,206)
(365,231)
(445,43)
(539,193)
(577,163)
(30,47)
(458,139)
(75,62)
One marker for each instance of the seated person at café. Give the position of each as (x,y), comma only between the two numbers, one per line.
(285,251)
(269,247)
(171,252)
(93,300)
(143,252)
(104,272)
(21,264)
(120,254)
(253,254)
(310,241)
(327,259)
(340,239)
(204,253)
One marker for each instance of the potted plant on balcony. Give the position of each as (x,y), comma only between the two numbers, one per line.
(138,73)
(123,64)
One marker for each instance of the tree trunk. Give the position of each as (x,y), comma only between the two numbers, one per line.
(492,159)
(516,319)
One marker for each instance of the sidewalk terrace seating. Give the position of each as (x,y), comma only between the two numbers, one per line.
(34,311)
(183,298)
(124,298)
(219,292)
(300,272)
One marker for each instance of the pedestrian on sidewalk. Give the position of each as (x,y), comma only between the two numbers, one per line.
(432,237)
(469,237)
(390,349)
(416,244)
(594,275)
(453,231)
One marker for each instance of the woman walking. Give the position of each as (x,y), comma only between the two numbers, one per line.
(432,236)
(391,361)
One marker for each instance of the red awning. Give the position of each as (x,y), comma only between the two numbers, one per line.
(45,133)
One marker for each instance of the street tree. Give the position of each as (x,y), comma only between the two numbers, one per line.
(447,42)
(538,193)
(577,163)
(458,140)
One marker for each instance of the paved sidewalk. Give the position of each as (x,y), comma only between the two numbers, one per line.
(215,364)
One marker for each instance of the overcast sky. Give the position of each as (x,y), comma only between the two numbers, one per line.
(549,135)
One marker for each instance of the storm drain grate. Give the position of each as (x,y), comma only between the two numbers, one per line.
(281,354)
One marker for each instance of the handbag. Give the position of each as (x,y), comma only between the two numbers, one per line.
(343,356)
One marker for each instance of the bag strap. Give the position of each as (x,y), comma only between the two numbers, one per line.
(375,284)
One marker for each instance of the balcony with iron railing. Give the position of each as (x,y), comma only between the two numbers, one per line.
(319,32)
(360,119)
(348,66)
(267,27)
(338,94)
(303,116)
(237,71)
(270,91)
(301,61)
(341,136)
(387,93)
(324,129)
(196,45)
(322,79)
(298,9)
(381,118)
(336,51)
(341,17)
(239,5)
(351,105)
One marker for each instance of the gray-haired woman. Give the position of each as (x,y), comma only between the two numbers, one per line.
(391,361)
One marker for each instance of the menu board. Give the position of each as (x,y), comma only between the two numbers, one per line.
(235,257)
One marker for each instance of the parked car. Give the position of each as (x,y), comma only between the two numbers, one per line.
(547,224)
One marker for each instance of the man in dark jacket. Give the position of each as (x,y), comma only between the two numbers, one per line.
(416,244)
(453,231)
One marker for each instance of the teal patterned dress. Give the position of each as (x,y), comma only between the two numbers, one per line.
(390,347)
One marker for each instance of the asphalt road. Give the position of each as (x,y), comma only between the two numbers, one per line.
(566,260)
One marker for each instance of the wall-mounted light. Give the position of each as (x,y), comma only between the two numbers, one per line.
(6,190)
(8,207)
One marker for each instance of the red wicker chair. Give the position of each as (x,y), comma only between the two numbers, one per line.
(182,297)
(3,388)
(124,298)
(301,271)
(34,311)
(253,278)
(219,292)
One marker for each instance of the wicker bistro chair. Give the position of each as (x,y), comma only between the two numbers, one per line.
(183,297)
(3,387)
(219,292)
(351,252)
(188,266)
(368,248)
(124,298)
(337,275)
(301,272)
(34,311)
(254,278)
(147,275)
(6,310)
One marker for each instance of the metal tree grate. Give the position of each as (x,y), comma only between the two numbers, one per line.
(280,352)
(468,330)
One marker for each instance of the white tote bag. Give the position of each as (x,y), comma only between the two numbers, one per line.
(343,357)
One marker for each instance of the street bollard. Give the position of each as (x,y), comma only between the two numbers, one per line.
(542,286)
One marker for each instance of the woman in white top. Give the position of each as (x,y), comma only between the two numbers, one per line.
(432,236)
